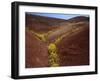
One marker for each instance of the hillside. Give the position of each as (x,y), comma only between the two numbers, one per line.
(41,23)
(74,49)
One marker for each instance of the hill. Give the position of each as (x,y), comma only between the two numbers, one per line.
(41,23)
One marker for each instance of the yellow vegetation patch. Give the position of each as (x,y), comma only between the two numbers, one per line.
(53,57)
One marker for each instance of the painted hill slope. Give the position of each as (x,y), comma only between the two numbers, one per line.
(73,48)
